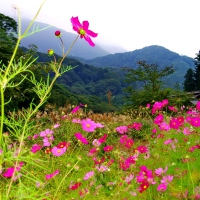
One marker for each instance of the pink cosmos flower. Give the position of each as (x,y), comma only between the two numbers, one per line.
(88,125)
(167,179)
(78,121)
(174,123)
(168,141)
(122,129)
(160,171)
(129,178)
(56,125)
(96,143)
(82,30)
(102,168)
(46,133)
(198,106)
(57,33)
(195,121)
(186,131)
(9,172)
(164,126)
(142,149)
(162,187)
(75,109)
(159,118)
(81,138)
(88,175)
(49,176)
(103,138)
(58,151)
(35,148)
(108,148)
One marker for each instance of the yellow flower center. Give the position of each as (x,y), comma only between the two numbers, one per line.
(81,31)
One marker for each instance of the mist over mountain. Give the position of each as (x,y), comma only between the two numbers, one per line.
(47,40)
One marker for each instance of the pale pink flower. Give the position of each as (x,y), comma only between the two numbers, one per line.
(96,143)
(167,179)
(58,151)
(160,171)
(56,125)
(46,133)
(88,175)
(122,129)
(102,168)
(186,131)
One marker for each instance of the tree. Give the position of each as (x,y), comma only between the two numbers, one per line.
(148,83)
(189,83)
(8,31)
(197,71)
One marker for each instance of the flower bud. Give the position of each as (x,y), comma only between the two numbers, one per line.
(57,33)
(50,52)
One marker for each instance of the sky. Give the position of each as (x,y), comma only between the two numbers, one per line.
(130,24)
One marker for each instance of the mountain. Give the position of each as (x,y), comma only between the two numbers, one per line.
(46,39)
(151,54)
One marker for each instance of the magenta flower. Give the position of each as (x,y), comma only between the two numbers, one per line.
(81,138)
(49,176)
(108,148)
(88,175)
(75,109)
(103,138)
(159,118)
(82,30)
(35,148)
(88,125)
(174,123)
(142,149)
(195,121)
(56,151)
(198,106)
(9,172)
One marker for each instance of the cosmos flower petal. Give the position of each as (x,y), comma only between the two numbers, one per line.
(91,33)
(85,25)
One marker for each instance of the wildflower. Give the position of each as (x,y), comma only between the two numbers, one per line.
(108,148)
(82,30)
(57,33)
(164,102)
(142,149)
(75,109)
(47,141)
(81,138)
(148,105)
(83,192)
(58,151)
(172,108)
(164,126)
(56,125)
(174,123)
(122,129)
(46,133)
(167,179)
(35,148)
(103,139)
(198,106)
(50,52)
(160,171)
(129,178)
(88,125)
(96,143)
(9,172)
(50,176)
(63,144)
(162,187)
(186,131)
(159,118)
(129,143)
(75,186)
(144,185)
(168,141)
(92,152)
(102,168)
(195,121)
(88,175)
(48,150)
(98,161)
(137,126)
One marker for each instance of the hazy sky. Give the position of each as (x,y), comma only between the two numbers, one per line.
(131,24)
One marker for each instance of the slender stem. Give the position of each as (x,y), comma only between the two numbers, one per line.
(64,179)
(2,114)
(191,177)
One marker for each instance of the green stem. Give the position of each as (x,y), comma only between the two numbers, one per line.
(2,114)
(64,179)
(190,177)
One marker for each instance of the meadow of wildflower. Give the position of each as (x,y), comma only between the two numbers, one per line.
(72,153)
